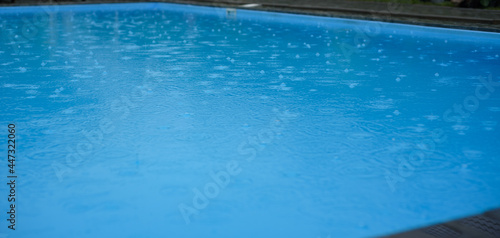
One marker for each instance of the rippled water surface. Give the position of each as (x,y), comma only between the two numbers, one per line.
(159,120)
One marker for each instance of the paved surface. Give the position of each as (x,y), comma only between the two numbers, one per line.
(475,19)
(486,225)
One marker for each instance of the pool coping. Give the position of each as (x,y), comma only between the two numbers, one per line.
(414,14)
(481,225)
(406,14)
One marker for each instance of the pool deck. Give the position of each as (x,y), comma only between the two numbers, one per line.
(418,14)
(486,225)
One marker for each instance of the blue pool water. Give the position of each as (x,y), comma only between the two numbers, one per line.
(164,120)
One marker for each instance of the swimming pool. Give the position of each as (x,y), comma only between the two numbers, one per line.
(154,120)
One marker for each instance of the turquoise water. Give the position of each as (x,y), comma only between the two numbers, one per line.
(164,120)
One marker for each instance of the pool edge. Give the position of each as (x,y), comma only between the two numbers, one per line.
(480,225)
(484,24)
